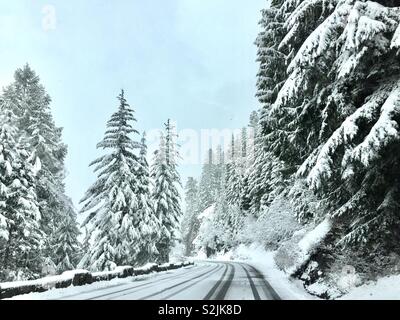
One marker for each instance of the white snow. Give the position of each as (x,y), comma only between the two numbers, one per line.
(314,237)
(207,213)
(47,281)
(318,288)
(295,253)
(396,38)
(386,288)
(37,166)
(91,290)
(3,226)
(385,130)
(147,266)
(343,137)
(59,293)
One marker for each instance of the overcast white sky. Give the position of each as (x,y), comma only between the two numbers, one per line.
(189,60)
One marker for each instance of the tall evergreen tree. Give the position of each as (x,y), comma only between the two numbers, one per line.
(27,99)
(112,202)
(21,240)
(272,61)
(149,223)
(165,194)
(66,246)
(234,173)
(190,222)
(208,185)
(336,116)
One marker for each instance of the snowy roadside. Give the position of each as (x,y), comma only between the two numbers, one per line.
(55,294)
(255,255)
(386,288)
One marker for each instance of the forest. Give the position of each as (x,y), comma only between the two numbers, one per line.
(314,174)
(320,181)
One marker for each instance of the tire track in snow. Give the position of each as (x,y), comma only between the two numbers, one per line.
(178,284)
(146,284)
(215,287)
(267,288)
(252,285)
(193,284)
(226,284)
(111,295)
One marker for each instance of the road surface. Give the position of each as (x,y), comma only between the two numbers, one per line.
(203,281)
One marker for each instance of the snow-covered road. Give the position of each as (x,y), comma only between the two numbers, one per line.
(204,281)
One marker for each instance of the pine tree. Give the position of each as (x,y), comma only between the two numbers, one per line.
(234,174)
(263,180)
(112,202)
(149,223)
(165,194)
(190,222)
(253,133)
(27,99)
(21,239)
(220,229)
(335,118)
(219,170)
(208,185)
(66,246)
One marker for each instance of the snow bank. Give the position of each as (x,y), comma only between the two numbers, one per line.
(276,224)
(118,272)
(68,278)
(296,252)
(207,213)
(314,237)
(81,277)
(386,288)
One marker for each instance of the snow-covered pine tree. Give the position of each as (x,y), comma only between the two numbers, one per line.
(264,177)
(220,216)
(252,133)
(172,157)
(67,247)
(337,115)
(149,223)
(234,173)
(243,143)
(263,174)
(271,60)
(249,160)
(165,194)
(293,130)
(28,100)
(112,202)
(190,223)
(219,170)
(223,226)
(209,184)
(21,239)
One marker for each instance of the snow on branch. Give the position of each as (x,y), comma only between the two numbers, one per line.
(385,130)
(344,137)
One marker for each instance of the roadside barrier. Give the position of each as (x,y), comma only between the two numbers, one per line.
(81,277)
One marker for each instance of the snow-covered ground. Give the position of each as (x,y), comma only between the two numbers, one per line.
(55,294)
(386,288)
(206,280)
(194,282)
